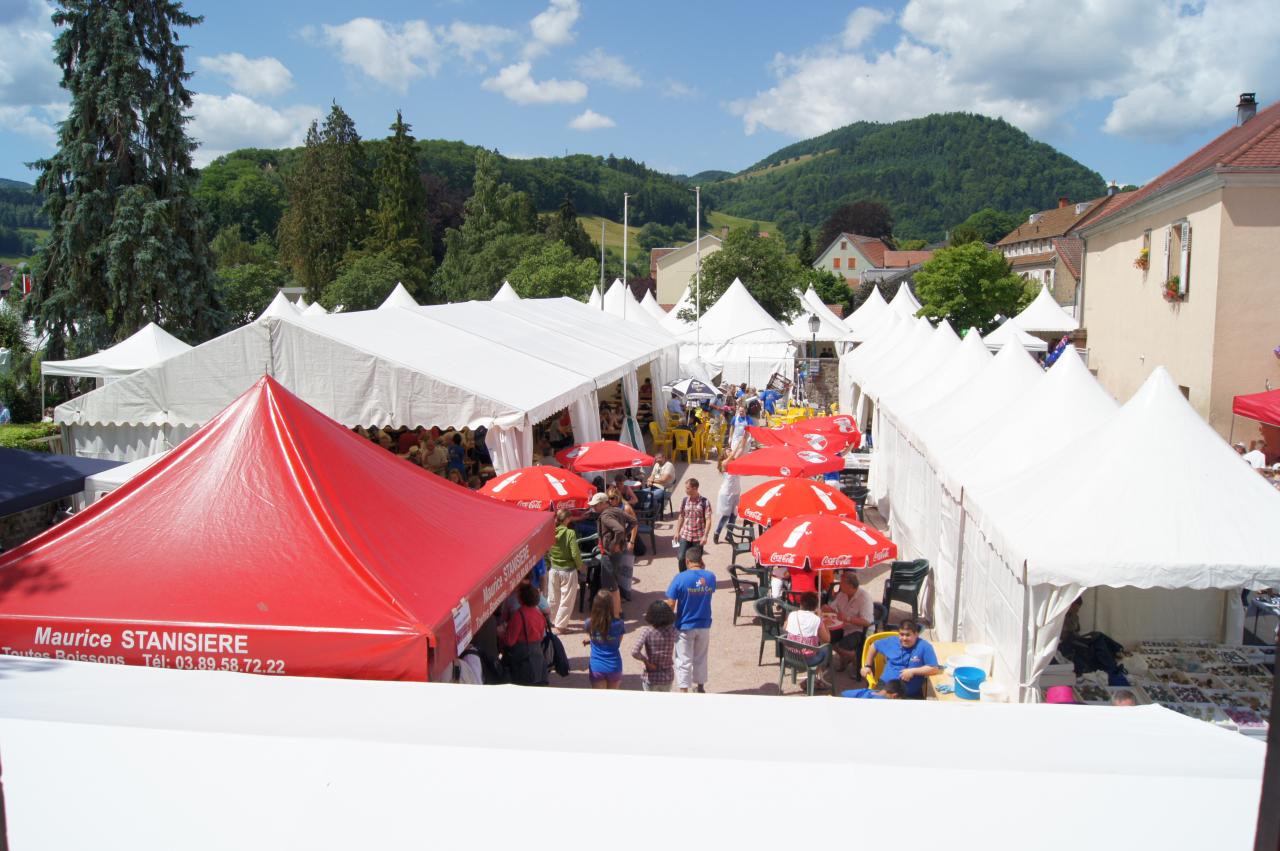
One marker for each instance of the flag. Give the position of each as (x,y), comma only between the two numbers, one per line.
(26,285)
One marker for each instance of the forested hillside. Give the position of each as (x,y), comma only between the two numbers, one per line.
(932,173)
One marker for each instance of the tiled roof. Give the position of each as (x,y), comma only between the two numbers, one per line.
(902,259)
(871,247)
(1070,249)
(1252,146)
(1056,222)
(1031,259)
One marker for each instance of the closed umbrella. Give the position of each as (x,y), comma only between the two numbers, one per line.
(601,455)
(541,488)
(825,541)
(779,499)
(798,437)
(784,461)
(834,424)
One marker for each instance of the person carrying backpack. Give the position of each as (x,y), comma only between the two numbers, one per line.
(694,521)
(615,530)
(523,659)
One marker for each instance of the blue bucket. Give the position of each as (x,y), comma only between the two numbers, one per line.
(967,682)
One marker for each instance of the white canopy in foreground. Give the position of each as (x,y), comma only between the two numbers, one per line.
(740,340)
(148,346)
(1045,316)
(301,763)
(506,292)
(1011,330)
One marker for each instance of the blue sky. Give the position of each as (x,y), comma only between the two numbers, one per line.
(1127,87)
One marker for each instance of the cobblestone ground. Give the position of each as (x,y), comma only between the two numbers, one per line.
(734,648)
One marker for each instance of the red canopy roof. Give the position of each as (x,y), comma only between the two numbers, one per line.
(1263,407)
(273,540)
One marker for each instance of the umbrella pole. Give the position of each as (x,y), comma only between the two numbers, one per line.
(1232,431)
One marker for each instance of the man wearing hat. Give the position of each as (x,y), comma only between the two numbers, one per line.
(613,529)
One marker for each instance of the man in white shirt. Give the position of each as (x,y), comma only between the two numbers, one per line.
(661,479)
(1257,460)
(675,406)
(856,610)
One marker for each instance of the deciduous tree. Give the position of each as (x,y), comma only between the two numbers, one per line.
(554,271)
(970,286)
(865,218)
(764,267)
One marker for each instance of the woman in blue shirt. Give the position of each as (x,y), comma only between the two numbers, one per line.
(604,633)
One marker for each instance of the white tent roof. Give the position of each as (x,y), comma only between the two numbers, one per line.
(619,301)
(737,317)
(885,334)
(506,292)
(279,308)
(673,323)
(904,303)
(595,298)
(1044,315)
(315,309)
(148,346)
(830,328)
(651,306)
(1153,497)
(892,358)
(99,484)
(918,364)
(1011,330)
(399,297)
(967,361)
(302,304)
(863,321)
(94,740)
(1068,403)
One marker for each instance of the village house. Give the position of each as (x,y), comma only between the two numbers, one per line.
(852,256)
(1182,274)
(674,268)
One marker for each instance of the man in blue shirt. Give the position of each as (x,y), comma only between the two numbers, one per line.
(690,595)
(907,657)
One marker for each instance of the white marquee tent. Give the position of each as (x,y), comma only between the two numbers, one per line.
(864,321)
(301,763)
(1045,316)
(315,309)
(905,303)
(595,299)
(851,363)
(673,323)
(830,328)
(619,301)
(505,366)
(150,345)
(651,306)
(281,307)
(506,292)
(399,297)
(1011,329)
(740,340)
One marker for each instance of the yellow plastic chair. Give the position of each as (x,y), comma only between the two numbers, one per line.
(869,650)
(702,441)
(683,443)
(661,439)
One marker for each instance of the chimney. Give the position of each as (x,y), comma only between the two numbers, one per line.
(1063,201)
(1112,188)
(1247,107)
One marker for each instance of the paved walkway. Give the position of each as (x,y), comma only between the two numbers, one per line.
(734,649)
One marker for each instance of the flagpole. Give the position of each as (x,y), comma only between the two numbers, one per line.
(625,197)
(697,285)
(602,264)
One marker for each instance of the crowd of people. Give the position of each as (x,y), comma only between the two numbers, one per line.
(457,455)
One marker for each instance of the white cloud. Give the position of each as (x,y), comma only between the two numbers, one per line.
(516,83)
(24,120)
(223,124)
(598,65)
(264,76)
(591,120)
(391,54)
(552,27)
(862,24)
(31,102)
(677,90)
(1163,67)
(473,40)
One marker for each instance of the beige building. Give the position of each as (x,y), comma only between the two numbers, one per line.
(674,268)
(1185,273)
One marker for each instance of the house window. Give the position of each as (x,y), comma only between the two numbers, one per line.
(1146,249)
(1177,258)
(836,262)
(844,245)
(853,262)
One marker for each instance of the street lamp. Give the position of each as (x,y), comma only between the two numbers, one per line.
(814,324)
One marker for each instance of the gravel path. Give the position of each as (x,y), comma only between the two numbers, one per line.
(734,649)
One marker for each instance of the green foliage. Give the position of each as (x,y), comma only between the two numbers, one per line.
(830,287)
(230,249)
(554,271)
(912,245)
(563,225)
(129,244)
(20,206)
(26,436)
(399,228)
(327,198)
(240,191)
(770,274)
(970,285)
(805,252)
(992,225)
(17,390)
(247,288)
(364,283)
(931,172)
(964,234)
(865,218)
(499,229)
(17,243)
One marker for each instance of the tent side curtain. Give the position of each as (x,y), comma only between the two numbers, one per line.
(1263,407)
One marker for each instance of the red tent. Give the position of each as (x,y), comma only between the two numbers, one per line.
(1263,407)
(275,541)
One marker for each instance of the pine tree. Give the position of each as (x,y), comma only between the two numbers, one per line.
(804,251)
(563,225)
(327,192)
(129,243)
(399,227)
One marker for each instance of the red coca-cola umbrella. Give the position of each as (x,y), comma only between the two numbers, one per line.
(824,541)
(600,455)
(776,500)
(834,424)
(784,461)
(541,488)
(798,437)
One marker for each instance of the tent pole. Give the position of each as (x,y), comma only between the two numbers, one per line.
(1232,431)
(955,610)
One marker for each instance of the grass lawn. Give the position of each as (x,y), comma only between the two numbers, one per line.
(42,233)
(612,232)
(717,219)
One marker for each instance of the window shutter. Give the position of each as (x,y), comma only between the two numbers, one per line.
(1184,277)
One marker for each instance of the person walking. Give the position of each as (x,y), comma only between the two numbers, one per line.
(604,634)
(655,647)
(614,529)
(625,564)
(565,560)
(693,523)
(689,595)
(727,503)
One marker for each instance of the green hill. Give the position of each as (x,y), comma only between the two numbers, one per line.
(932,172)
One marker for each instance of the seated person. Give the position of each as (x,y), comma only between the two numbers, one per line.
(661,478)
(1091,651)
(853,605)
(804,626)
(803,581)
(408,439)
(675,406)
(907,657)
(891,690)
(624,490)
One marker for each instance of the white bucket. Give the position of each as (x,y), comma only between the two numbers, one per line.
(965,661)
(990,691)
(984,653)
